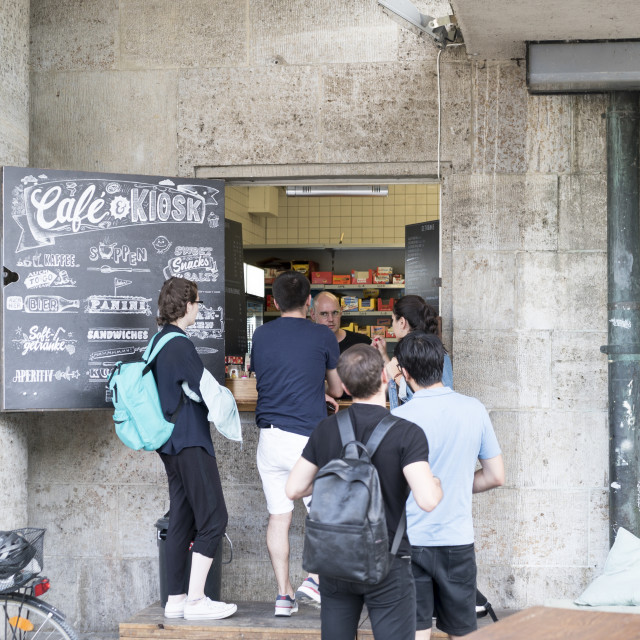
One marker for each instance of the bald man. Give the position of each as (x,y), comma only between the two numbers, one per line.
(326,310)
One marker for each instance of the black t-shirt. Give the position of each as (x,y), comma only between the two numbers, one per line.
(352,338)
(404,444)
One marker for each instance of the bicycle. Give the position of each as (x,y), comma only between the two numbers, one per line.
(23,615)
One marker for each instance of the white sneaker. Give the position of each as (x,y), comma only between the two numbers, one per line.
(207,609)
(174,609)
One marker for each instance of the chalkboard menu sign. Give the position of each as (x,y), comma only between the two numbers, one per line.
(422,261)
(236,300)
(84,257)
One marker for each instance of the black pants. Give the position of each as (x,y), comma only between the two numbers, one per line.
(391,605)
(196,504)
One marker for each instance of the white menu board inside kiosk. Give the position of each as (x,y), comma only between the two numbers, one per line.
(84,257)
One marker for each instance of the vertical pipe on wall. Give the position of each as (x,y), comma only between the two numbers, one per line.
(623,271)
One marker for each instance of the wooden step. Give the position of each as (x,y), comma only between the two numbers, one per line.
(252,621)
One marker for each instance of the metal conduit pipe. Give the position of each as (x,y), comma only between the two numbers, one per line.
(623,272)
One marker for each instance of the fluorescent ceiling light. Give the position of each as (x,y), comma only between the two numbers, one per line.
(338,190)
(583,67)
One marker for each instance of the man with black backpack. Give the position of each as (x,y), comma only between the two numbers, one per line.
(401,461)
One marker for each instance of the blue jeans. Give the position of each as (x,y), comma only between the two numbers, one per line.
(391,605)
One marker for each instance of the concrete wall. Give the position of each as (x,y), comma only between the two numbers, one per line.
(14,151)
(265,88)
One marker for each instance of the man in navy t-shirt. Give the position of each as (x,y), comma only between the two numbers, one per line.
(291,357)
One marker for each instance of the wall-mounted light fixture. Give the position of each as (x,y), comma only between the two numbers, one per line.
(338,190)
(443,30)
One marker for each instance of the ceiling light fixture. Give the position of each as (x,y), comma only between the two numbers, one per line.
(338,190)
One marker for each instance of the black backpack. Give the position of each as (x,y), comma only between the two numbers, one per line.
(346,529)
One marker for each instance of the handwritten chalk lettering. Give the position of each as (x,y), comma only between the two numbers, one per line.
(45,340)
(98,374)
(39,279)
(150,206)
(193,251)
(14,303)
(33,375)
(50,304)
(114,353)
(119,255)
(49,260)
(117,335)
(118,304)
(67,210)
(198,269)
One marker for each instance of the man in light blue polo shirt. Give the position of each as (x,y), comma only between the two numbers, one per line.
(460,433)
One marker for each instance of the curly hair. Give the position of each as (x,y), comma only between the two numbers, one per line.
(174,296)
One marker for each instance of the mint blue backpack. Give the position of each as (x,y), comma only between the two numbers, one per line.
(138,416)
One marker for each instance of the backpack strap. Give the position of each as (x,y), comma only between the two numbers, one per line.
(381,430)
(347,434)
(153,350)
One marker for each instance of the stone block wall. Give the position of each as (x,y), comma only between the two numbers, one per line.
(266,88)
(14,151)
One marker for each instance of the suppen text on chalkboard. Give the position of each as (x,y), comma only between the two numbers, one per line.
(91,252)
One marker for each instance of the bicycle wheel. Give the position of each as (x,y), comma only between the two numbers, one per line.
(27,618)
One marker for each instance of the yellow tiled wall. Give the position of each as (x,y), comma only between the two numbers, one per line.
(236,202)
(362,220)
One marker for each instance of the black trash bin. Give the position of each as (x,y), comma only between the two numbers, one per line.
(212,587)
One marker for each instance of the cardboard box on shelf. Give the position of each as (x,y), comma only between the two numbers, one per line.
(390,334)
(364,330)
(371,293)
(384,322)
(398,278)
(384,271)
(340,279)
(368,304)
(271,303)
(270,275)
(378,331)
(304,266)
(386,304)
(384,278)
(321,277)
(361,277)
(349,303)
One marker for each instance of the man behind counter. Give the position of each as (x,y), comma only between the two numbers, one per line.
(326,310)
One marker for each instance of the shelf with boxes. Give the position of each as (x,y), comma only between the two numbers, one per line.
(366,292)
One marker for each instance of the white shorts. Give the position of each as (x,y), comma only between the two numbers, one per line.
(278,451)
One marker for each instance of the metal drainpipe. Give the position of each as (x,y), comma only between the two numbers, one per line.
(623,272)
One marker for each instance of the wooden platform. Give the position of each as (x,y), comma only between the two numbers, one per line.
(252,621)
(548,623)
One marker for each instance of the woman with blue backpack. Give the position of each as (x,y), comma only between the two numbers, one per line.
(196,502)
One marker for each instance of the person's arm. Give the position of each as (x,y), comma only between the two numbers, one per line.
(300,480)
(334,385)
(491,475)
(426,488)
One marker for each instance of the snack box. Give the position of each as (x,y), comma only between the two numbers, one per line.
(378,332)
(361,277)
(270,275)
(305,267)
(271,303)
(349,303)
(341,279)
(321,277)
(371,293)
(390,334)
(381,279)
(367,305)
(384,271)
(364,330)
(386,305)
(384,322)
(397,278)
(234,360)
(352,326)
